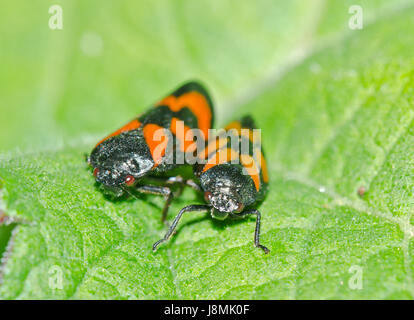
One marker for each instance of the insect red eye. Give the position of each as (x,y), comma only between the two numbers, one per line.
(129,180)
(95,172)
(207,196)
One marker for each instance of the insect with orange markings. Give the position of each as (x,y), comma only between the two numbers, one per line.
(234,179)
(134,152)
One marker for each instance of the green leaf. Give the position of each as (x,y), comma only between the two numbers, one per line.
(338,122)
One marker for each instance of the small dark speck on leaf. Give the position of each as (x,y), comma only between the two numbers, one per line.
(361,191)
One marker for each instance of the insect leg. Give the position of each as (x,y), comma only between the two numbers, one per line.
(193,185)
(193,207)
(166,191)
(257,230)
(177,180)
(182,183)
(162,191)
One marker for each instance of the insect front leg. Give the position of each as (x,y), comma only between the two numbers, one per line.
(193,207)
(177,180)
(257,229)
(162,191)
(165,189)
(183,183)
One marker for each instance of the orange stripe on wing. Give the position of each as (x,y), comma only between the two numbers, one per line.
(134,124)
(157,148)
(198,105)
(241,131)
(185,145)
(234,125)
(264,168)
(212,146)
(250,165)
(258,154)
(221,156)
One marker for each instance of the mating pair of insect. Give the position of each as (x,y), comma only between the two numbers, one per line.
(232,180)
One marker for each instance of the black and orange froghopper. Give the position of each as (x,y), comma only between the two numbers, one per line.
(233,178)
(136,150)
